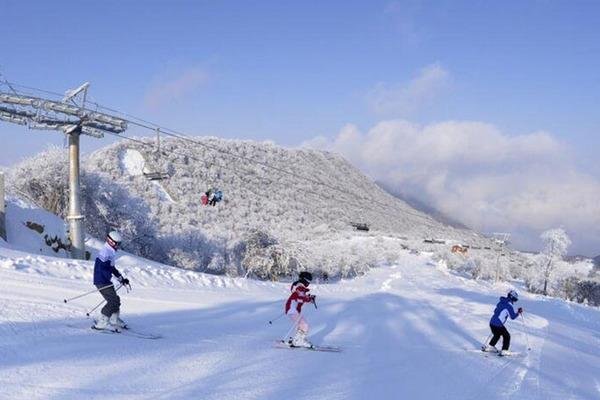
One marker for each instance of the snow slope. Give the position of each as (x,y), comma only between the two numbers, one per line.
(409,331)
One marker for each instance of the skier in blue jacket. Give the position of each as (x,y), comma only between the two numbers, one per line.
(504,309)
(104,268)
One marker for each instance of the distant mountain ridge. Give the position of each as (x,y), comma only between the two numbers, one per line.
(424,207)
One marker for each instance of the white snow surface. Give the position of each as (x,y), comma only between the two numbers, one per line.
(410,330)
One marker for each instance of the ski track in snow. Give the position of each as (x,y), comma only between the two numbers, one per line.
(162,193)
(410,331)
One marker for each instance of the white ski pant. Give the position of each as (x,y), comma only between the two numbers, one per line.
(300,322)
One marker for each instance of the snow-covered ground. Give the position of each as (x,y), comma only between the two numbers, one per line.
(408,331)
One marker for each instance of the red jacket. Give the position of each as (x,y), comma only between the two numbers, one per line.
(299,296)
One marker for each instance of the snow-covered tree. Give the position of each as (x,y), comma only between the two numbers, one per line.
(43,179)
(550,266)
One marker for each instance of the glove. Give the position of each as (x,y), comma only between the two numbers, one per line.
(520,310)
(124,281)
(312,297)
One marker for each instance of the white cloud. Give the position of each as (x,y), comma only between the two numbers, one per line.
(174,88)
(406,98)
(479,175)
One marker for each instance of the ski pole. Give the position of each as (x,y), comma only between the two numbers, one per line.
(87,314)
(85,294)
(525,330)
(486,341)
(275,319)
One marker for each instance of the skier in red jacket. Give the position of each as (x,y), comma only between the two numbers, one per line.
(293,308)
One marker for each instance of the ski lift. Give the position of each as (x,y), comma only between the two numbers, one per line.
(149,171)
(360,226)
(156,176)
(434,241)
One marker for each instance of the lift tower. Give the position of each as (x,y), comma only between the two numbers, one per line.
(71,117)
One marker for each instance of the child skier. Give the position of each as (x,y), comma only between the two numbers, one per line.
(293,308)
(503,310)
(104,268)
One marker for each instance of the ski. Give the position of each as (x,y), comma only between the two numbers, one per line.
(495,354)
(483,353)
(141,335)
(128,332)
(486,351)
(511,354)
(107,330)
(280,344)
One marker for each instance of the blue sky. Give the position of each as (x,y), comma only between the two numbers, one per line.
(292,71)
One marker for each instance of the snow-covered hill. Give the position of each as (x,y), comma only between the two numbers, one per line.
(299,211)
(409,329)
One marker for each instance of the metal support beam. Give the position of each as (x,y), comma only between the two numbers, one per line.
(76,228)
(2,209)
(157,141)
(72,118)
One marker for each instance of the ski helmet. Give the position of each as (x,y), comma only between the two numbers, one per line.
(114,237)
(305,276)
(513,296)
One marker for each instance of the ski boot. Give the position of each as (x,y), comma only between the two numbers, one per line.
(503,353)
(117,322)
(300,340)
(489,349)
(102,323)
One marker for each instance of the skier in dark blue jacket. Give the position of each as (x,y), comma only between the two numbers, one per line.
(104,269)
(504,309)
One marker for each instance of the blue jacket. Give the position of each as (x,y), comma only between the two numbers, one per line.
(104,267)
(503,310)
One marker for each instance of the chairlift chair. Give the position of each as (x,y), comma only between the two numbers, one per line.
(360,226)
(151,173)
(156,176)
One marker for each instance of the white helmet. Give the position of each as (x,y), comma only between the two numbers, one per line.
(115,237)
